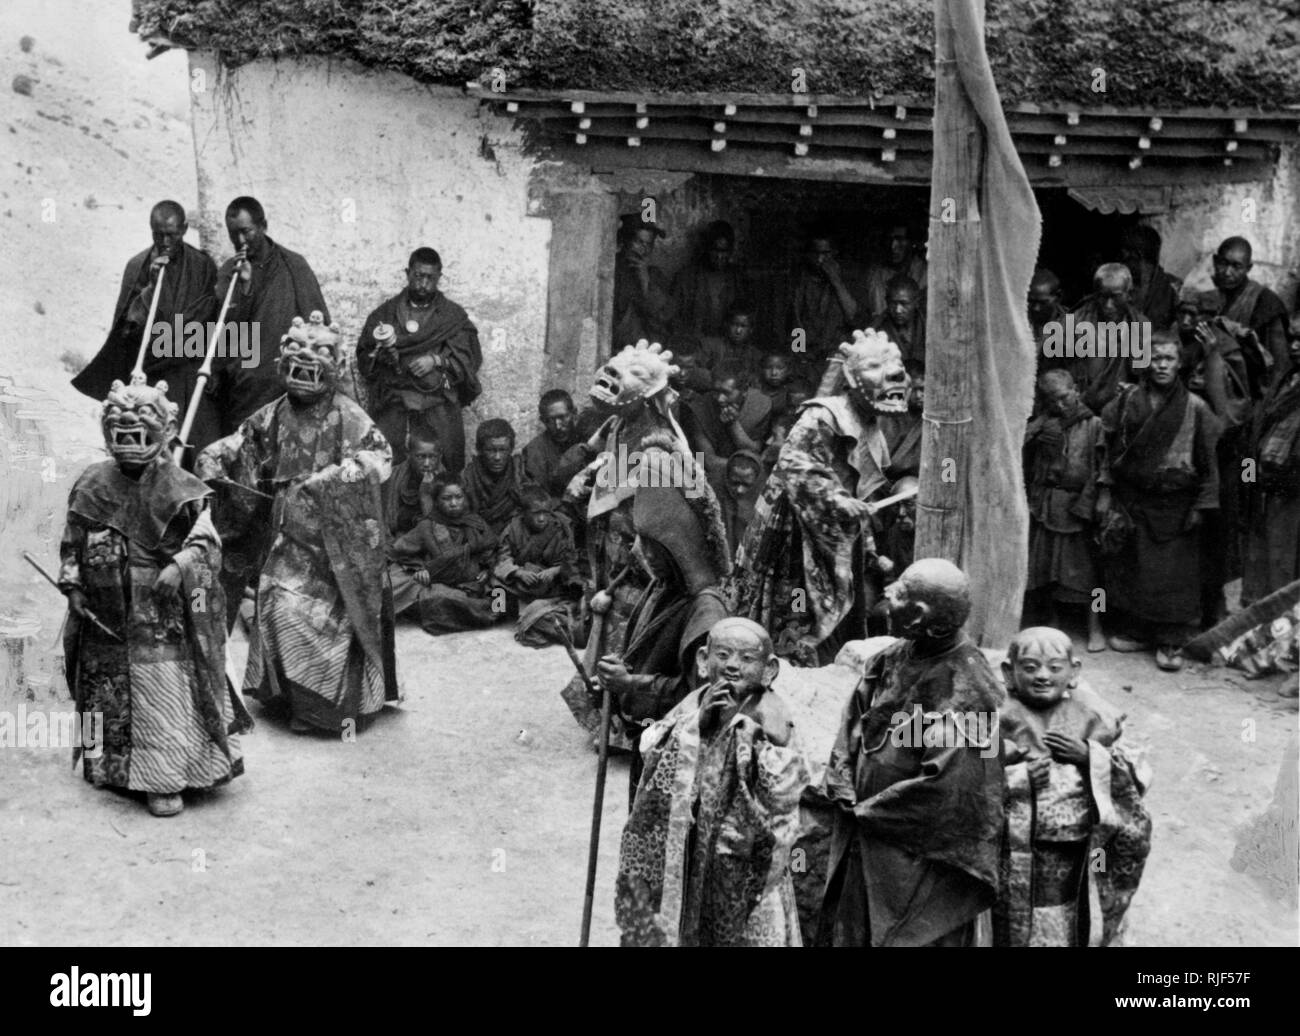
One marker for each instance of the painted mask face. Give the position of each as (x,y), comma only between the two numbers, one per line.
(738,655)
(309,359)
(632,375)
(877,380)
(1044,669)
(138,422)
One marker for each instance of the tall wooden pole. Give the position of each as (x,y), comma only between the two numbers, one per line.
(952,318)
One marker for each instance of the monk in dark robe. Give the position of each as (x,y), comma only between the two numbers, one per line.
(643,299)
(903,319)
(275,285)
(408,493)
(186,302)
(494,479)
(914,781)
(681,544)
(705,289)
(901,257)
(1215,369)
(557,453)
(1161,470)
(1045,312)
(1098,377)
(1252,313)
(737,491)
(823,309)
(1272,541)
(419,355)
(1155,292)
(443,566)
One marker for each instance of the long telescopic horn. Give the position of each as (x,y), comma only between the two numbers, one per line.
(205,372)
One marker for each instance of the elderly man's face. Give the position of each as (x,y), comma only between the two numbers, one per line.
(901,306)
(1231,268)
(558,420)
(1112,297)
(422,281)
(168,232)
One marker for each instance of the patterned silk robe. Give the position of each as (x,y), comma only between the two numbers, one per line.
(323,635)
(170,719)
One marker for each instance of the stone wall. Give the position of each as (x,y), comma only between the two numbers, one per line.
(356,169)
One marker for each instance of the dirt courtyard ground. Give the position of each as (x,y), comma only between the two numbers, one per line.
(461,817)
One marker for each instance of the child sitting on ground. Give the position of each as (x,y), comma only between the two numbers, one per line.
(1073,803)
(443,566)
(536,558)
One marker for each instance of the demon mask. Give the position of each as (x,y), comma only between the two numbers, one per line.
(874,375)
(309,359)
(138,421)
(633,375)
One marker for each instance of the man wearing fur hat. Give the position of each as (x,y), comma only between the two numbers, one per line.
(681,544)
(322,640)
(800,567)
(146,635)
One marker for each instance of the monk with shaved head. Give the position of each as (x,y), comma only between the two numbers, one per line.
(914,783)
(1109,307)
(705,853)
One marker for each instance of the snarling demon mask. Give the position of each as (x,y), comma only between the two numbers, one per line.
(138,421)
(309,358)
(874,374)
(632,375)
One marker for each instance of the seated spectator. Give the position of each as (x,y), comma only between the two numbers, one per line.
(536,557)
(737,493)
(557,453)
(493,478)
(778,383)
(735,348)
(903,319)
(730,418)
(408,491)
(442,566)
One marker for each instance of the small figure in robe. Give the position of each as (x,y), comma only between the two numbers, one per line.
(1076,831)
(443,566)
(408,493)
(1064,448)
(705,854)
(536,557)
(141,555)
(914,781)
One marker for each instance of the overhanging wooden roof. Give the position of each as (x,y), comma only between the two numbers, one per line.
(891,140)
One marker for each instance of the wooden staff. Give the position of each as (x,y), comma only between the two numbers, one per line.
(205,372)
(137,372)
(596,640)
(54,583)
